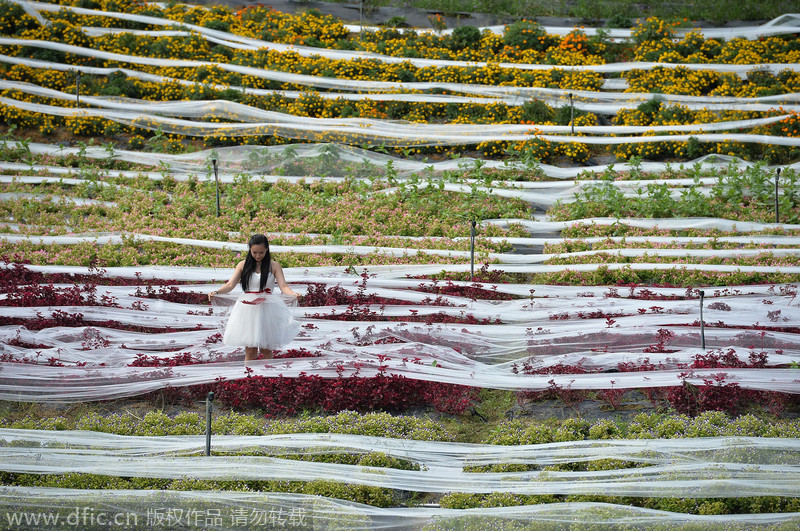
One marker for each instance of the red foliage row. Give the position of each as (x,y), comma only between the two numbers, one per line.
(16,273)
(365,313)
(171,294)
(184,358)
(62,318)
(26,288)
(359,306)
(321,295)
(187,358)
(766,328)
(286,396)
(646,294)
(483,275)
(715,394)
(474,291)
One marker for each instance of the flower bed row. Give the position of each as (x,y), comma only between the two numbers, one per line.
(509,433)
(679,276)
(523,41)
(747,195)
(344,213)
(651,113)
(512,432)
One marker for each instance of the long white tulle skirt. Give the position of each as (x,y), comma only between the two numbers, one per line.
(260,320)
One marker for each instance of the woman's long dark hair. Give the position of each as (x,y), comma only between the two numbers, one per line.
(250,262)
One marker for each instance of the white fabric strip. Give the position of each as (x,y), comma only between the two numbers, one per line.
(230,511)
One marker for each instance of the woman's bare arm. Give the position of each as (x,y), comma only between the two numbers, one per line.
(277,272)
(231,283)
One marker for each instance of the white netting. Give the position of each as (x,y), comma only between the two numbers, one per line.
(728,225)
(226,510)
(760,451)
(268,163)
(511,94)
(228,110)
(65,199)
(539,194)
(782,25)
(686,468)
(387,133)
(550,325)
(604,102)
(607,68)
(500,258)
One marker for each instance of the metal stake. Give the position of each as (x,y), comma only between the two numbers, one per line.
(209,407)
(571,113)
(702,324)
(78,87)
(472,251)
(216,179)
(777,207)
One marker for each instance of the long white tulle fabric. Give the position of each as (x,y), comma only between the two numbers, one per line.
(685,468)
(549,325)
(785,24)
(262,161)
(231,511)
(740,69)
(392,134)
(792,249)
(606,102)
(782,25)
(598,102)
(187,118)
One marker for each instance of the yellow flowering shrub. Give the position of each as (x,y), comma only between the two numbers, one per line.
(575,151)
(492,149)
(535,149)
(16,117)
(83,125)
(586,119)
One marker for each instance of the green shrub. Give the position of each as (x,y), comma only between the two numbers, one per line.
(396,22)
(464,37)
(564,114)
(537,112)
(14,19)
(528,35)
(217,24)
(619,21)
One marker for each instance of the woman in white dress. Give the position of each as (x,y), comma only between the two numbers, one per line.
(259,321)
